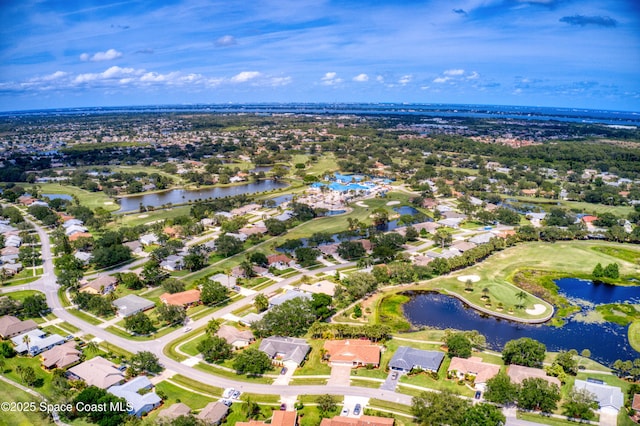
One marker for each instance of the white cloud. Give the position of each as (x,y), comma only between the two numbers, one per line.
(279,81)
(226,40)
(245,76)
(454,72)
(405,79)
(361,78)
(109,55)
(473,76)
(331,79)
(441,79)
(380,79)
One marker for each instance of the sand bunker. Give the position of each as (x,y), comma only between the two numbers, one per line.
(393,203)
(537,309)
(472,278)
(142,216)
(361,204)
(108,203)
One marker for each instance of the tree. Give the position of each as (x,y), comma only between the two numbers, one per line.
(306,256)
(483,415)
(261,302)
(93,396)
(442,237)
(538,394)
(598,271)
(612,270)
(34,306)
(380,217)
(351,250)
(152,274)
(252,361)
(213,326)
(321,306)
(195,261)
(6,350)
(411,234)
(213,292)
(444,408)
(524,351)
(139,324)
(171,314)
(500,389)
(259,258)
(292,318)
(172,285)
(580,404)
(104,257)
(226,245)
(567,361)
(27,374)
(214,349)
(26,340)
(275,227)
(145,362)
(130,280)
(326,404)
(458,345)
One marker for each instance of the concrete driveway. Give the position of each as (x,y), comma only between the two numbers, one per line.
(340,375)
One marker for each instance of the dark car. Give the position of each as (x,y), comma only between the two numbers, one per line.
(477,395)
(283,407)
(394,375)
(284,370)
(356,409)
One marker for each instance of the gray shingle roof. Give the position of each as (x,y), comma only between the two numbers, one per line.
(131,304)
(287,348)
(407,358)
(607,396)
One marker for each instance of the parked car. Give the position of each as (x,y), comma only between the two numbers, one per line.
(228,392)
(235,395)
(344,412)
(477,395)
(227,402)
(283,407)
(394,375)
(284,370)
(187,329)
(356,410)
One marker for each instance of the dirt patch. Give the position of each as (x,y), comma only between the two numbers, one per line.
(393,203)
(142,216)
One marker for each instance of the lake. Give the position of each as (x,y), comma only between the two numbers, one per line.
(58,196)
(606,341)
(181,196)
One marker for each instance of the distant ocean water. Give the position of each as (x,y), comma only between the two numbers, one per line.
(574,115)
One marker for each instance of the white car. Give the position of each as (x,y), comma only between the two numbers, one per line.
(344,412)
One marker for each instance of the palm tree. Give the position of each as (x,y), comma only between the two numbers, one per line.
(26,339)
(485,293)
(92,346)
(522,296)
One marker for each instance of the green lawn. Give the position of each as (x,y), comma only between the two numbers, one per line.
(88,199)
(545,420)
(628,255)
(197,386)
(621,211)
(634,335)
(10,393)
(23,294)
(83,316)
(43,384)
(210,368)
(137,218)
(314,366)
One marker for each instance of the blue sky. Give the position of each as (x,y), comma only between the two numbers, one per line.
(568,53)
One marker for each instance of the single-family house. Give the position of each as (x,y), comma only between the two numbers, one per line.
(610,398)
(352,352)
(135,247)
(252,230)
(517,373)
(104,284)
(148,239)
(236,338)
(463,246)
(358,421)
(635,403)
(131,304)
(279,418)
(183,298)
(279,261)
(12,268)
(213,413)
(328,249)
(482,371)
(481,238)
(72,222)
(75,229)
(285,349)
(9,250)
(11,326)
(406,359)
(76,236)
(289,295)
(97,372)
(174,411)
(450,223)
(245,209)
(251,317)
(13,241)
(174,262)
(226,280)
(37,342)
(83,256)
(237,236)
(61,356)
(137,402)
